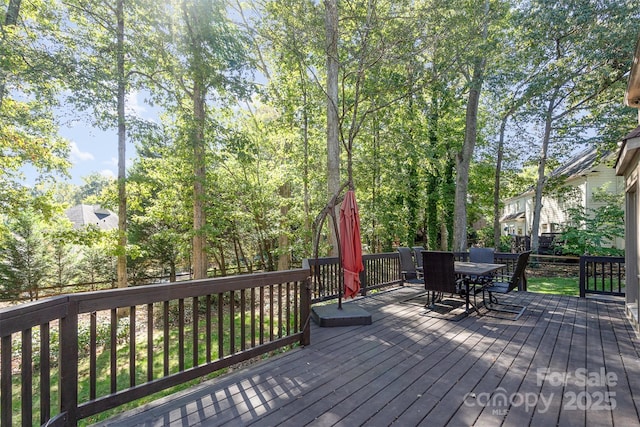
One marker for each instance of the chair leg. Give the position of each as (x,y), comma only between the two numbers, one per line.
(504,308)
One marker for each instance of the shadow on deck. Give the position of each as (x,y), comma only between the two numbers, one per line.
(566,357)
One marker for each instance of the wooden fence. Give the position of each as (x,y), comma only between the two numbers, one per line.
(67,358)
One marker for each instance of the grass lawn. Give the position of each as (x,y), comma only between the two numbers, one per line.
(554,285)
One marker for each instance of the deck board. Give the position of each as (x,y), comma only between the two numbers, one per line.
(415,367)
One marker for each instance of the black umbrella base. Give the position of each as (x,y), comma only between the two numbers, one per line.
(348,315)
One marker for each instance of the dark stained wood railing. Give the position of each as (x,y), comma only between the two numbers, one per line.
(380,270)
(70,357)
(602,275)
(597,275)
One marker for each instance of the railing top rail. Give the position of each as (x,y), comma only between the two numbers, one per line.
(28,315)
(603,258)
(102,300)
(332,260)
(18,318)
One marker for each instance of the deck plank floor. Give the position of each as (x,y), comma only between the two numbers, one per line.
(553,366)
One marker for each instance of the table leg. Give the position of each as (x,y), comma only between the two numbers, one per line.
(466,285)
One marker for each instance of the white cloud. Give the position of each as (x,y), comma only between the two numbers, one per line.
(108,173)
(113,161)
(80,155)
(133,104)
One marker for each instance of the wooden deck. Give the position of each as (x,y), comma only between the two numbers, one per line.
(566,362)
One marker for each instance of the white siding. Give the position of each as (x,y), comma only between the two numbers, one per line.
(554,214)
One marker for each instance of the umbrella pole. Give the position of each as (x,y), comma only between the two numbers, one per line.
(341,276)
(329,209)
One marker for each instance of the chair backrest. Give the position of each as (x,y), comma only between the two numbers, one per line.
(481,254)
(518,273)
(417,255)
(406,263)
(439,271)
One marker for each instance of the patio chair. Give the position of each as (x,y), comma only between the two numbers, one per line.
(439,274)
(408,269)
(506,287)
(417,256)
(484,255)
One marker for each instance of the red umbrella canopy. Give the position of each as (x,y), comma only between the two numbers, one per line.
(350,245)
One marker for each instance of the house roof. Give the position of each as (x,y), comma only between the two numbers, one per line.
(87,215)
(579,164)
(513,216)
(632,94)
(630,144)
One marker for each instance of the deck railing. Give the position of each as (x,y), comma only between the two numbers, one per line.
(70,357)
(597,275)
(602,275)
(380,270)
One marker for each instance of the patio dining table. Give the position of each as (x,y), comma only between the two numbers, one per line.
(469,270)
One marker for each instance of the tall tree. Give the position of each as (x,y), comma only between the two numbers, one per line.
(159,212)
(25,256)
(202,61)
(576,58)
(475,78)
(333,125)
(10,21)
(100,41)
(121,79)
(29,84)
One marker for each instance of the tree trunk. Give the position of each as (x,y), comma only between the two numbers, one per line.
(537,202)
(247,263)
(463,160)
(305,141)
(374,241)
(333,143)
(122,143)
(448,201)
(284,260)
(496,186)
(10,19)
(200,263)
(13,11)
(433,226)
(172,271)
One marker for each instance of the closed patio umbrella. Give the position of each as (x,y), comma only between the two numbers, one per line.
(350,245)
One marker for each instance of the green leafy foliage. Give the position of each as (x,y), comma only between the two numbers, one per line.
(25,258)
(257,143)
(594,231)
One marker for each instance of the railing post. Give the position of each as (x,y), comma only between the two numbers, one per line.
(583,276)
(69,364)
(6,384)
(305,311)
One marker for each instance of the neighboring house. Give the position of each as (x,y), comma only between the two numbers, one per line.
(92,215)
(582,175)
(628,165)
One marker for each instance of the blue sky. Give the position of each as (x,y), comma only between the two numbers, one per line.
(96,151)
